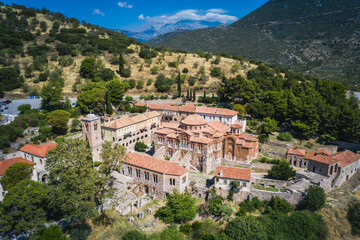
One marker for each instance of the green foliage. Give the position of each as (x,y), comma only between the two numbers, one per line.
(282,171)
(52,232)
(147,53)
(315,198)
(23,108)
(179,208)
(10,79)
(51,96)
(353,215)
(216,60)
(285,136)
(278,205)
(58,120)
(185,70)
(23,206)
(309,145)
(88,68)
(220,208)
(163,84)
(173,64)
(154,70)
(75,125)
(16,173)
(140,84)
(126,72)
(240,109)
(192,80)
(140,146)
(266,128)
(243,228)
(134,235)
(250,205)
(149,82)
(326,139)
(115,90)
(92,100)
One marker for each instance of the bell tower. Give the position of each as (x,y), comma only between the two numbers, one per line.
(91,130)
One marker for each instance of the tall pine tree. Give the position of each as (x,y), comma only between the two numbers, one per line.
(179,85)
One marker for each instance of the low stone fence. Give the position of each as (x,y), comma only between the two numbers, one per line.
(348,145)
(278,184)
(276,144)
(292,197)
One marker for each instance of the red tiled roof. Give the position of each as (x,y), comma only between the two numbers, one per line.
(155,164)
(236,126)
(323,151)
(164,131)
(346,157)
(324,159)
(38,150)
(233,173)
(193,109)
(194,120)
(140,104)
(127,121)
(5,164)
(173,125)
(172,135)
(309,154)
(297,151)
(218,126)
(203,140)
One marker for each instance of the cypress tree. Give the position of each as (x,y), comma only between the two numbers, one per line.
(109,109)
(121,63)
(187,94)
(204,95)
(190,95)
(194,95)
(179,84)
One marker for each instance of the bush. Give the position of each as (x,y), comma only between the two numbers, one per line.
(132,83)
(215,72)
(315,198)
(185,70)
(140,146)
(309,145)
(149,82)
(354,217)
(147,53)
(154,70)
(140,84)
(52,232)
(285,136)
(282,171)
(163,84)
(192,80)
(218,207)
(134,235)
(23,108)
(278,205)
(173,64)
(251,205)
(126,72)
(243,228)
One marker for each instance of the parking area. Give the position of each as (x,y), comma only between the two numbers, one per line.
(11,108)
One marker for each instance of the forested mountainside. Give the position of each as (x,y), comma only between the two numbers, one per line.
(39,47)
(319,37)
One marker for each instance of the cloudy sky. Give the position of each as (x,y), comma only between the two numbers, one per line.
(131,14)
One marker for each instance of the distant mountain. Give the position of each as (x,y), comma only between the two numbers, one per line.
(150,31)
(320,37)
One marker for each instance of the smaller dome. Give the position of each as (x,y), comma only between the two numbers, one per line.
(193,120)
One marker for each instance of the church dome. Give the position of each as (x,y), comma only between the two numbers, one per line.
(193,120)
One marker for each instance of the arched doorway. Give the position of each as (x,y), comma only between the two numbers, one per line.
(146,189)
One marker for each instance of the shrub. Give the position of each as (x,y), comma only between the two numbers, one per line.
(140,146)
(132,83)
(219,208)
(149,82)
(278,204)
(126,72)
(173,64)
(251,205)
(285,136)
(140,84)
(163,84)
(185,70)
(52,232)
(309,145)
(192,80)
(154,70)
(315,198)
(242,228)
(282,171)
(354,217)
(147,53)
(134,235)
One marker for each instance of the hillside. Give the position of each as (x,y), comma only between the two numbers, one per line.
(41,43)
(317,37)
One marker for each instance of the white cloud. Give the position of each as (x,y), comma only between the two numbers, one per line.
(141,17)
(98,12)
(216,10)
(211,15)
(124,5)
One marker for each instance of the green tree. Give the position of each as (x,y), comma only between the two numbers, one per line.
(278,205)
(140,146)
(10,78)
(266,128)
(282,171)
(244,228)
(88,68)
(240,109)
(171,233)
(51,96)
(16,173)
(134,235)
(75,125)
(353,215)
(163,84)
(140,84)
(52,232)
(218,207)
(58,120)
(23,108)
(116,90)
(92,100)
(121,63)
(285,136)
(179,208)
(109,109)
(315,198)
(22,209)
(179,85)
(194,95)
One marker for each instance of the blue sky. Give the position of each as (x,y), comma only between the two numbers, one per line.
(130,14)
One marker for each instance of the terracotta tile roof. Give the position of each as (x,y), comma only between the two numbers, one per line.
(194,120)
(309,154)
(209,130)
(218,126)
(323,151)
(141,104)
(5,164)
(297,151)
(233,173)
(164,131)
(236,126)
(346,158)
(324,159)
(172,135)
(38,150)
(127,121)
(203,140)
(155,164)
(217,135)
(173,125)
(247,145)
(193,109)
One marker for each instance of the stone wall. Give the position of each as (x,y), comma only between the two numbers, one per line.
(278,184)
(292,197)
(347,145)
(236,163)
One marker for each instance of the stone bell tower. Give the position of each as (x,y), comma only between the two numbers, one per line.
(91,130)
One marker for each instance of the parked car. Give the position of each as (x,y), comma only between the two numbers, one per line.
(7,101)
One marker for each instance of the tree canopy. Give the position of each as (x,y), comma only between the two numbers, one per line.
(244,228)
(282,171)
(59,119)
(16,173)
(315,198)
